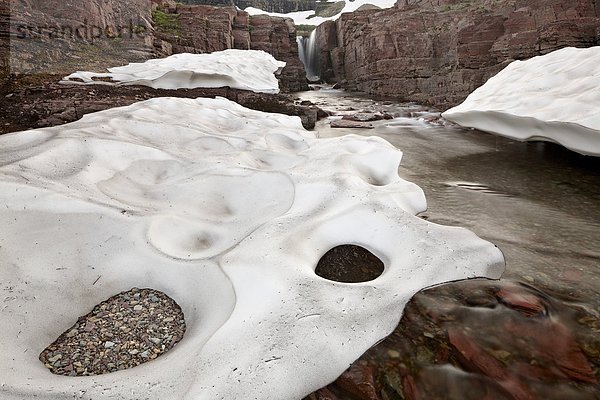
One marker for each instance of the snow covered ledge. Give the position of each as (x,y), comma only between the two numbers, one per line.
(240,69)
(555,97)
(228,211)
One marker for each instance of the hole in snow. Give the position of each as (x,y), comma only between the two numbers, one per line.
(349,263)
(122,332)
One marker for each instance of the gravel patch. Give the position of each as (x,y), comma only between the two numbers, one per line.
(122,332)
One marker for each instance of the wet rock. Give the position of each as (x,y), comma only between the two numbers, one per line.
(340,85)
(475,359)
(344,123)
(410,388)
(482,348)
(393,354)
(367,117)
(519,299)
(433,384)
(358,381)
(556,347)
(323,394)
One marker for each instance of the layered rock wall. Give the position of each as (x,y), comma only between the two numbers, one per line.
(277,6)
(52,36)
(4,39)
(438,51)
(277,36)
(204,29)
(56,37)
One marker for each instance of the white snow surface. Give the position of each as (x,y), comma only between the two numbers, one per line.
(240,69)
(304,17)
(554,97)
(228,211)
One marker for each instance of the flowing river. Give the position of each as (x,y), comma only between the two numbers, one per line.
(534,333)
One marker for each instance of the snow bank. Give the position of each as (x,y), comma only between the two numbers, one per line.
(304,17)
(240,69)
(554,97)
(228,211)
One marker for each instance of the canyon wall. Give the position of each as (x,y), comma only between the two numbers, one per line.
(203,29)
(277,6)
(438,51)
(52,36)
(4,39)
(56,37)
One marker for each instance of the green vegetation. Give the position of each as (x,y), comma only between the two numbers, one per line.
(304,30)
(166,23)
(139,29)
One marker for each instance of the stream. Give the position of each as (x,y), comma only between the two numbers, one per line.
(535,333)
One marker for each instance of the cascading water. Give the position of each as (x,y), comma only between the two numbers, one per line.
(309,52)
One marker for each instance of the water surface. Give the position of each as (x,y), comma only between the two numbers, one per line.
(536,332)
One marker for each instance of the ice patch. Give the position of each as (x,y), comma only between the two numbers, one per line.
(554,97)
(228,211)
(240,69)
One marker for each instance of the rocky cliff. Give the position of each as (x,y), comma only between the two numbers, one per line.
(49,36)
(438,51)
(56,37)
(202,29)
(4,38)
(278,6)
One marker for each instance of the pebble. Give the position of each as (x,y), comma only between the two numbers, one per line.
(55,358)
(72,333)
(393,354)
(89,326)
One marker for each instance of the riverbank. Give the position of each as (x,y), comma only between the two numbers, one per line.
(38,100)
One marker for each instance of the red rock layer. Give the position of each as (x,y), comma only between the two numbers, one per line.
(53,36)
(204,29)
(438,51)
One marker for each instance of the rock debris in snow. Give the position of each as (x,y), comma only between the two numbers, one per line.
(122,332)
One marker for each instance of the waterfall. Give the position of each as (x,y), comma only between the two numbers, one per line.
(309,55)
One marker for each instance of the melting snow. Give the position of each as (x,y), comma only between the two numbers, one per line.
(227,210)
(553,97)
(240,69)
(304,17)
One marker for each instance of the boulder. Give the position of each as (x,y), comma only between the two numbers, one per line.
(344,123)
(367,117)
